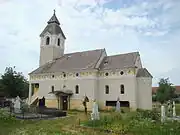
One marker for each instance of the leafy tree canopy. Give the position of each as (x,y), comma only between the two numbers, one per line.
(165,91)
(13,83)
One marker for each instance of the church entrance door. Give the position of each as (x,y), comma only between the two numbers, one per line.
(64,102)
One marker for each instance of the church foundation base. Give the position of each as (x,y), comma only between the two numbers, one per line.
(51,103)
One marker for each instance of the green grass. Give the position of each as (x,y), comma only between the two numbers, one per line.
(136,123)
(178,109)
(131,123)
(61,126)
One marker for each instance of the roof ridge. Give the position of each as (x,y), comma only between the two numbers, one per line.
(83,51)
(123,54)
(143,72)
(99,58)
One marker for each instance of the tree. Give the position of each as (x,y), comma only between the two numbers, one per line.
(154,98)
(13,83)
(165,91)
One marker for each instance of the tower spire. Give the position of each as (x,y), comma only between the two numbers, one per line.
(54,19)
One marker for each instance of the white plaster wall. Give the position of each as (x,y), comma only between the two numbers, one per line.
(92,85)
(144,92)
(87,86)
(51,51)
(114,83)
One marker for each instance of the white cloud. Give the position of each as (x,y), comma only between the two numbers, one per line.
(140,27)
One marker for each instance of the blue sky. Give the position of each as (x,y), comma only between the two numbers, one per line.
(151,27)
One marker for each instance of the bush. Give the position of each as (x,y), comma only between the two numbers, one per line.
(147,114)
(147,127)
(25,107)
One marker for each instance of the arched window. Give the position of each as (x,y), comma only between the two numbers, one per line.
(58,43)
(122,88)
(107,89)
(52,88)
(77,89)
(47,40)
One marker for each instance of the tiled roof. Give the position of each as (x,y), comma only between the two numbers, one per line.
(87,60)
(73,61)
(143,72)
(53,27)
(53,19)
(120,61)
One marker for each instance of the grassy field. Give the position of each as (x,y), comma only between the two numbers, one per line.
(61,126)
(178,109)
(139,125)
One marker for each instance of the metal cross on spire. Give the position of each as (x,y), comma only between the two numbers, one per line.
(54,11)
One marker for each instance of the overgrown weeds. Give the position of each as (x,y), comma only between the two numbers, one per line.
(142,122)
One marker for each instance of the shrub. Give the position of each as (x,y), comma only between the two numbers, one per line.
(147,127)
(24,107)
(147,114)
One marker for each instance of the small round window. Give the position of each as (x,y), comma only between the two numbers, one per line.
(64,75)
(77,74)
(121,72)
(52,76)
(106,74)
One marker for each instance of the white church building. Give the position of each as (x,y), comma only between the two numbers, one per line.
(65,79)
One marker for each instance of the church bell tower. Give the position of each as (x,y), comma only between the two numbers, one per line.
(52,41)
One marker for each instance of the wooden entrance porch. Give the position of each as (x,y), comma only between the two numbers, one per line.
(63,98)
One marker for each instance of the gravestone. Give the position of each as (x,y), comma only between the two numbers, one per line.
(17,105)
(95,112)
(172,112)
(163,115)
(174,109)
(169,108)
(86,99)
(118,105)
(40,102)
(43,101)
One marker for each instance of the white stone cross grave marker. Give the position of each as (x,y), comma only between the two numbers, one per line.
(163,116)
(17,105)
(174,109)
(95,112)
(118,105)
